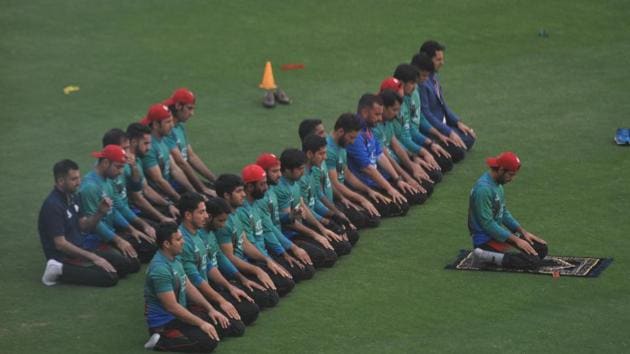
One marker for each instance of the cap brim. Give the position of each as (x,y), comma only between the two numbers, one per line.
(492,162)
(97,154)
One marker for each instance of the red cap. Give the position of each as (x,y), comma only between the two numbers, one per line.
(113,153)
(267,161)
(507,160)
(182,95)
(253,173)
(157,112)
(391,83)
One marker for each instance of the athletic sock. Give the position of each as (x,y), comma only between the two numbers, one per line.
(488,256)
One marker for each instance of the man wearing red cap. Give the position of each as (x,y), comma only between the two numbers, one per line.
(150,203)
(268,209)
(157,162)
(255,180)
(493,228)
(96,186)
(235,245)
(182,106)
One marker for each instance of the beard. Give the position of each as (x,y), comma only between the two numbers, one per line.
(258,194)
(271,183)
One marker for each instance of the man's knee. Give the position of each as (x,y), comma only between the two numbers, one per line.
(541,249)
(520,261)
(457,153)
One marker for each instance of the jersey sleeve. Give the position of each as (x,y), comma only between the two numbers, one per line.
(150,159)
(162,279)
(358,152)
(436,122)
(509,221)
(189,262)
(53,221)
(482,203)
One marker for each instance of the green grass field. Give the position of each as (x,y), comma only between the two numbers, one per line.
(556,101)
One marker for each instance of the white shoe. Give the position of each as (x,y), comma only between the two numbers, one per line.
(155,337)
(52,272)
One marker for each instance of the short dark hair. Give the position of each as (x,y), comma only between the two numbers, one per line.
(227,183)
(313,143)
(291,159)
(307,126)
(348,122)
(406,73)
(390,98)
(164,232)
(430,47)
(189,202)
(114,136)
(137,131)
(61,168)
(216,206)
(422,62)
(368,100)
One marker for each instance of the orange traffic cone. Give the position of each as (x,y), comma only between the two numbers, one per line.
(268,83)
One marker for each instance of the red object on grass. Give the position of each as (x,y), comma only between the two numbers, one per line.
(286,67)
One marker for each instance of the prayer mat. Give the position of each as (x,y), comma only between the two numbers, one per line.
(552,265)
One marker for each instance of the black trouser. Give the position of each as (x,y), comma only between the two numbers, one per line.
(283,285)
(124,265)
(144,249)
(297,273)
(359,218)
(80,272)
(468,139)
(352,234)
(457,153)
(263,298)
(321,257)
(446,164)
(236,328)
(178,336)
(342,247)
(521,260)
(387,210)
(435,175)
(248,310)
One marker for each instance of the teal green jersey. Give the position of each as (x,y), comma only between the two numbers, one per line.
(289,196)
(216,258)
(336,158)
(121,184)
(320,173)
(268,205)
(159,155)
(93,189)
(194,256)
(163,275)
(178,139)
(250,218)
(418,120)
(275,240)
(488,217)
(384,133)
(404,119)
(232,233)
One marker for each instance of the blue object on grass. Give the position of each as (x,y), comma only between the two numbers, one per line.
(623,136)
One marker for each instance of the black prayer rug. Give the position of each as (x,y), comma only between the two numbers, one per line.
(555,266)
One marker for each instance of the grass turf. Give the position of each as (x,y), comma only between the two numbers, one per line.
(556,101)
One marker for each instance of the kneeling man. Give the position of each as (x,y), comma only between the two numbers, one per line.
(493,228)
